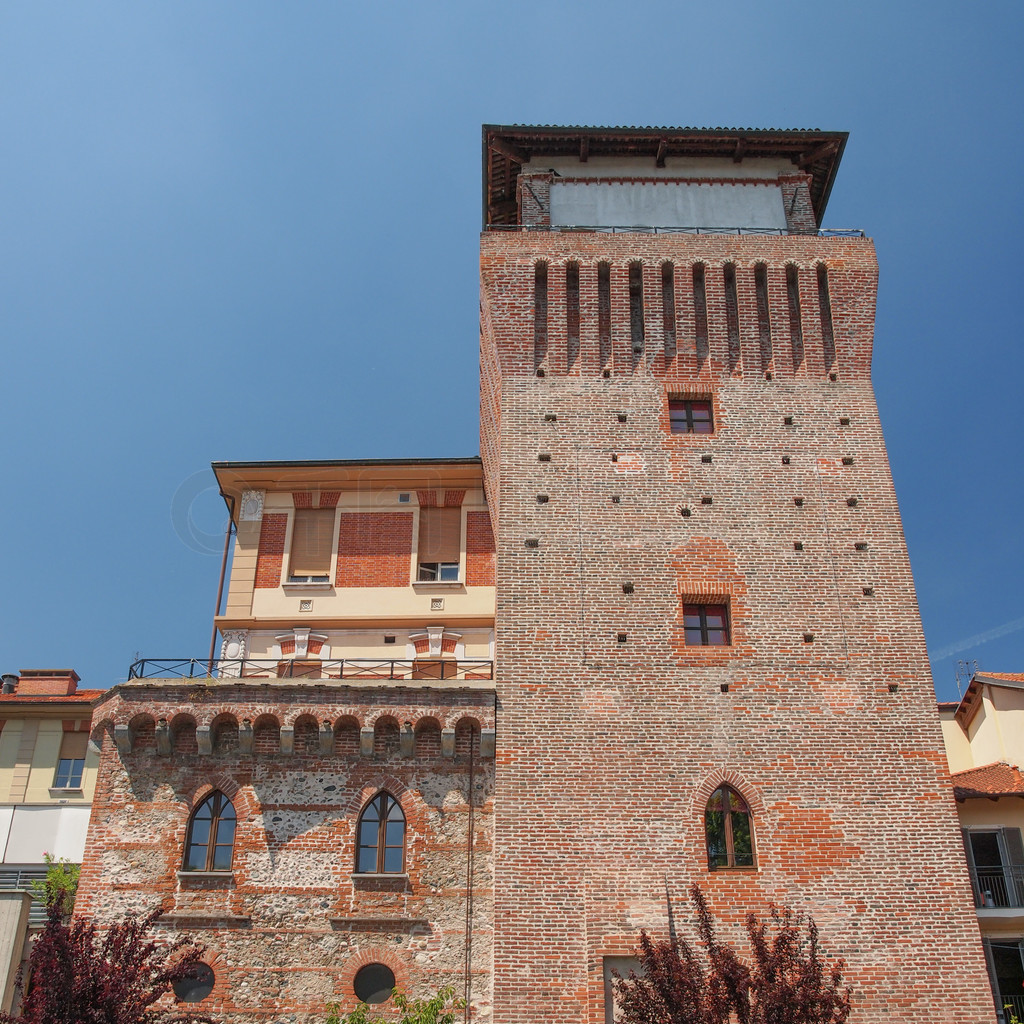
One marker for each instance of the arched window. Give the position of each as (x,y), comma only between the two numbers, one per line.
(211,835)
(727,830)
(382,836)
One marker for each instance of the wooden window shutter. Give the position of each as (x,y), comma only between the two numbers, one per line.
(440,534)
(73,745)
(312,541)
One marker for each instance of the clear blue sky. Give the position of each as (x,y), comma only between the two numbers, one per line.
(222,223)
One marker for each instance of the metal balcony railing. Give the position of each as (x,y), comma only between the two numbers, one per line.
(1011,1004)
(998,887)
(647,229)
(397,669)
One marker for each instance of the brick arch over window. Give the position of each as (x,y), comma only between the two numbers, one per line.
(372,955)
(734,780)
(210,835)
(246,804)
(381,833)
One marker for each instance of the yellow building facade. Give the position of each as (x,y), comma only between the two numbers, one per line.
(47,778)
(984,739)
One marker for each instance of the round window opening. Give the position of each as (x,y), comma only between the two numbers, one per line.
(196,985)
(373,983)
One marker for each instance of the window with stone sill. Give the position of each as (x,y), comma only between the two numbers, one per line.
(381,833)
(71,761)
(439,550)
(312,546)
(211,835)
(728,830)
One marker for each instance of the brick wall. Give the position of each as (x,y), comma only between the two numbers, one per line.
(270,555)
(290,928)
(479,550)
(613,731)
(374,549)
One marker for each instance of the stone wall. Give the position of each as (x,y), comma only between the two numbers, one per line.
(291,924)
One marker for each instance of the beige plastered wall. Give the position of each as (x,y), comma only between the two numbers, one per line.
(995,733)
(29,751)
(329,602)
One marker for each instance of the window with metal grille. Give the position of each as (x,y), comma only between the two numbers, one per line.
(706,624)
(312,545)
(211,835)
(381,837)
(727,830)
(690,416)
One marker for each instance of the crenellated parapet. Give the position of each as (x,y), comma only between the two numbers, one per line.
(168,718)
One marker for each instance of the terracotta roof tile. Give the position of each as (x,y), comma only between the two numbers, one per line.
(78,697)
(991,780)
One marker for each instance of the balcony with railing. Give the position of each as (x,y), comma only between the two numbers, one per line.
(1011,1005)
(397,670)
(998,888)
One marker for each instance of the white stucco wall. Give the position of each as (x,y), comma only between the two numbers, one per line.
(675,167)
(668,204)
(59,831)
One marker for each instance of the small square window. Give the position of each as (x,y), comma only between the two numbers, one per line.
(706,625)
(690,416)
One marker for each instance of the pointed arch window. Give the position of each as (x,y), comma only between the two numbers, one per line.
(211,835)
(381,837)
(728,831)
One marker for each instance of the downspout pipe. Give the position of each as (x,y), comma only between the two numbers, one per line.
(223,570)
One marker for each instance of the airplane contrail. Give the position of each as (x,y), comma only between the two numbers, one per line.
(977,640)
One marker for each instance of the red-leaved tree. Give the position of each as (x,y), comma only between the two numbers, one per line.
(78,975)
(787,982)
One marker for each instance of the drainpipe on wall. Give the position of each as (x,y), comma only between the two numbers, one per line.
(223,570)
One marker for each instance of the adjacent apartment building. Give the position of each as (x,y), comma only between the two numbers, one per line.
(480,721)
(984,736)
(47,777)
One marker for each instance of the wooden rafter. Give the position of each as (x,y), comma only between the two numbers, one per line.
(520,156)
(659,160)
(822,151)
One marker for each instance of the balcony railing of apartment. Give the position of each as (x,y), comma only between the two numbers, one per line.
(646,229)
(1011,1004)
(998,887)
(397,669)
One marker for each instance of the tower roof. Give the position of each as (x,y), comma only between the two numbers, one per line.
(506,148)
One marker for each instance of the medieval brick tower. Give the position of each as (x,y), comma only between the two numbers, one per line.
(479,721)
(711,666)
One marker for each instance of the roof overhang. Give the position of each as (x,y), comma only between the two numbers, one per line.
(507,148)
(972,698)
(346,475)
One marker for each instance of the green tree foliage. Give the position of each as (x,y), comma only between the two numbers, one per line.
(78,975)
(787,981)
(58,889)
(439,1009)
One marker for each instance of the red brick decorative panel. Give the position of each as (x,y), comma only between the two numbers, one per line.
(479,550)
(374,549)
(270,556)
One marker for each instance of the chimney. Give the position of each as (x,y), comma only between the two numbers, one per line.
(47,682)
